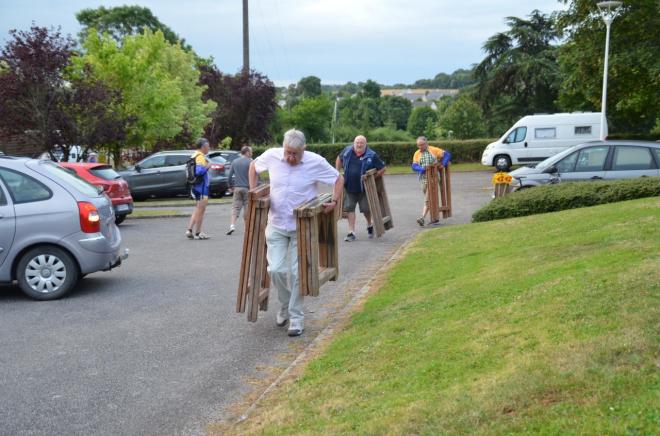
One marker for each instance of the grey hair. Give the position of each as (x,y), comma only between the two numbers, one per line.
(423,138)
(201,142)
(246,149)
(294,139)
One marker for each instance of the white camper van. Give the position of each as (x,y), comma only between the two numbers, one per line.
(536,137)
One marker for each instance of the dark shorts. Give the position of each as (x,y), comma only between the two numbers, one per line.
(199,192)
(351,200)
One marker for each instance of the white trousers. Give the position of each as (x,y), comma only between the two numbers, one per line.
(282,258)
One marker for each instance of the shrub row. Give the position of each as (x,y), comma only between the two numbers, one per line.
(401,153)
(552,198)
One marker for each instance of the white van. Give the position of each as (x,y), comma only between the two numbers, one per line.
(536,137)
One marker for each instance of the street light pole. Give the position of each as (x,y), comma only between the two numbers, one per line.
(609,10)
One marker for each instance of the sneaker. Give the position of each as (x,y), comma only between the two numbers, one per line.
(295,328)
(350,237)
(231,229)
(202,236)
(420,221)
(189,234)
(281,318)
(435,223)
(370,231)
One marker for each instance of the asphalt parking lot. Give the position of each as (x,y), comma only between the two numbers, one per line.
(155,346)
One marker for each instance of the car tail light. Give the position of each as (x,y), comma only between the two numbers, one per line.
(90,220)
(218,167)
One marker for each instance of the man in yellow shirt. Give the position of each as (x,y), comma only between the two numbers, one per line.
(424,156)
(200,190)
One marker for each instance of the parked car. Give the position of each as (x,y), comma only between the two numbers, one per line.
(54,228)
(104,177)
(163,174)
(596,160)
(534,138)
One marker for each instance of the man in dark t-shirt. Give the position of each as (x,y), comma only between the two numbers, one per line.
(357,159)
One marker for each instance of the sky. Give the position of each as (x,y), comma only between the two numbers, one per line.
(390,41)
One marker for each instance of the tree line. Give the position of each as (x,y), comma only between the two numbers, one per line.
(129,81)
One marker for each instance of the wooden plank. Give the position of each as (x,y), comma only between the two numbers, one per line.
(314,260)
(448,178)
(326,274)
(384,203)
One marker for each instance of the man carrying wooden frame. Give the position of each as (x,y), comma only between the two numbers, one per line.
(293,175)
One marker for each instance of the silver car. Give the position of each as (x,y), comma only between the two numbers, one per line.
(597,160)
(54,228)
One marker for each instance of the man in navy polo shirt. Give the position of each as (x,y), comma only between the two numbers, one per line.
(356,160)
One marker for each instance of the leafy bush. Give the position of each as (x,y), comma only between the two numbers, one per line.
(401,153)
(552,198)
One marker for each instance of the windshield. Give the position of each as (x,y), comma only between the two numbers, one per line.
(105,172)
(70,179)
(217,159)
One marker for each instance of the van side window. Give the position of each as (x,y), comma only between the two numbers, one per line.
(591,159)
(545,133)
(3,200)
(583,130)
(632,158)
(517,135)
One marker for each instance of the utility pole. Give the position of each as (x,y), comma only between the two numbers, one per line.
(246,39)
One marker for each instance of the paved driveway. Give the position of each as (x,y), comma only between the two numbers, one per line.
(155,347)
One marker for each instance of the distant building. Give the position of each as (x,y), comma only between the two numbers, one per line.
(421,96)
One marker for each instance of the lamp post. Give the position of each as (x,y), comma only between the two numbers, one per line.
(608,10)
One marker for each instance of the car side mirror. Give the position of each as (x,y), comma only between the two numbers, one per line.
(552,169)
(505,141)
(138,168)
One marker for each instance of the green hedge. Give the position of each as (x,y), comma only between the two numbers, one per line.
(401,153)
(552,198)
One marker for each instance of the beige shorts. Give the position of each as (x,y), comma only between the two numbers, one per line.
(240,200)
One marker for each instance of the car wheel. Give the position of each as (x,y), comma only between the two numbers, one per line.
(502,162)
(47,273)
(119,219)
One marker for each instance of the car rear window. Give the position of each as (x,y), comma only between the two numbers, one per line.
(23,188)
(72,180)
(218,159)
(105,172)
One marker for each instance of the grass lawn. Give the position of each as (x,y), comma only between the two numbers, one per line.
(153,213)
(545,324)
(460,167)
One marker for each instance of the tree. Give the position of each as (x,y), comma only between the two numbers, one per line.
(245,106)
(309,86)
(32,85)
(370,89)
(519,74)
(158,82)
(312,116)
(368,114)
(420,120)
(634,65)
(464,119)
(92,116)
(458,79)
(121,21)
(395,110)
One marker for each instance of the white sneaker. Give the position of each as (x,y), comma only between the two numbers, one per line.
(281,318)
(231,229)
(295,328)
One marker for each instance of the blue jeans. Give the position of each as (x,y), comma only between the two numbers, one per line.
(284,275)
